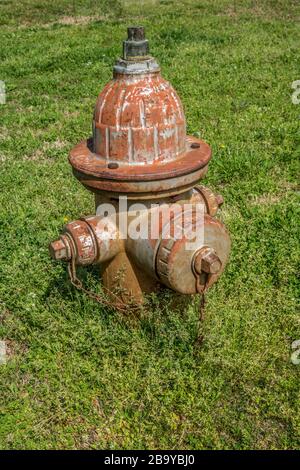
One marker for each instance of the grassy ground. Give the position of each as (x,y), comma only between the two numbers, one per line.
(81,377)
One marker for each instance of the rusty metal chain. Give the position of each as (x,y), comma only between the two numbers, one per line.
(201,289)
(202,307)
(200,337)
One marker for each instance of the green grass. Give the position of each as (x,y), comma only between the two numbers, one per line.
(79,376)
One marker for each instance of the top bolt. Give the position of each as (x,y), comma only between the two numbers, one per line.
(135,46)
(136,33)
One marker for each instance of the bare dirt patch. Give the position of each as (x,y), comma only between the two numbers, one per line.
(41,152)
(65,21)
(70,20)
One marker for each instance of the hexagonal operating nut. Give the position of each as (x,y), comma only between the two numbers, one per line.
(207,261)
(60,250)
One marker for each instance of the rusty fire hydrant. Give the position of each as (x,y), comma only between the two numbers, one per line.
(153,225)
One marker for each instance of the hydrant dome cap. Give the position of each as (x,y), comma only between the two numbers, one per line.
(139,120)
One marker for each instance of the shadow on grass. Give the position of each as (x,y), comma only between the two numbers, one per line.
(162,316)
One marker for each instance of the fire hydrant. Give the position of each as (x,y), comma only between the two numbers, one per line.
(154,225)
